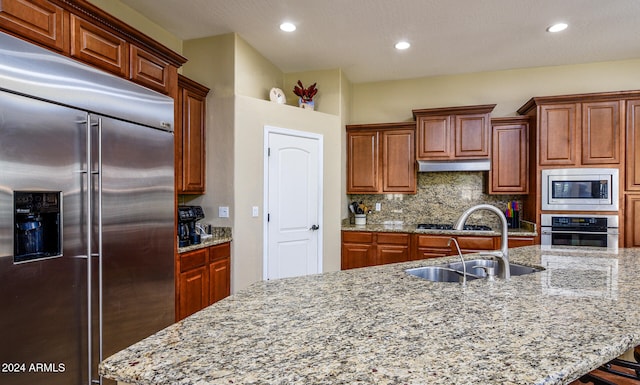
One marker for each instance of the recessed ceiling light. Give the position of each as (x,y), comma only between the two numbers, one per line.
(557,27)
(402,45)
(288,27)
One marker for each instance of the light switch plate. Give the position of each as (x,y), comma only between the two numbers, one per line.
(255,211)
(223,211)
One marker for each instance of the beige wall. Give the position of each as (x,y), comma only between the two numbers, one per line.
(393,101)
(255,74)
(212,63)
(140,22)
(251,115)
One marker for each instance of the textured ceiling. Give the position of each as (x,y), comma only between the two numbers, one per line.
(447,36)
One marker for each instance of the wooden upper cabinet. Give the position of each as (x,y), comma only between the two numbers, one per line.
(381,158)
(579,130)
(472,133)
(190,137)
(633,145)
(453,132)
(434,137)
(38,21)
(151,71)
(398,161)
(601,132)
(83,31)
(99,47)
(557,139)
(363,162)
(510,156)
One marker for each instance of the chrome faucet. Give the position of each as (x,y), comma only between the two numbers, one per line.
(464,266)
(503,253)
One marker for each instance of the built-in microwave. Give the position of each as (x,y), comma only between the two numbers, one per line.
(580,189)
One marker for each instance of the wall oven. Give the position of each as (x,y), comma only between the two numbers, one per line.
(580,189)
(559,230)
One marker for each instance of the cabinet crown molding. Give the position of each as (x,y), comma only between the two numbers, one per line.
(479,109)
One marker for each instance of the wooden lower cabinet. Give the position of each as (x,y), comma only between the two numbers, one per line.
(392,248)
(518,242)
(204,278)
(364,248)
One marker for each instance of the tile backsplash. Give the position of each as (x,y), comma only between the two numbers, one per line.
(441,197)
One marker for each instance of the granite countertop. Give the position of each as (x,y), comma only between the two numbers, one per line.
(378,325)
(524,231)
(218,235)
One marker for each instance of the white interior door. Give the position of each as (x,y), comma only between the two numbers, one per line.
(293,226)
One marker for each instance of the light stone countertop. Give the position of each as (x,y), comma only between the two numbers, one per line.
(412,229)
(378,325)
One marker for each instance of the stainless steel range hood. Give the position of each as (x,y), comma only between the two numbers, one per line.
(454,165)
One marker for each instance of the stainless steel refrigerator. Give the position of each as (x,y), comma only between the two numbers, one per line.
(86,216)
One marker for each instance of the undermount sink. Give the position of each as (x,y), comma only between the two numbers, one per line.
(438,274)
(452,272)
(473,267)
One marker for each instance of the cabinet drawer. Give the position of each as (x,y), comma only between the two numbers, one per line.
(219,251)
(476,243)
(393,239)
(193,259)
(357,237)
(431,241)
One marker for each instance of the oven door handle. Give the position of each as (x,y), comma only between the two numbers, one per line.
(610,232)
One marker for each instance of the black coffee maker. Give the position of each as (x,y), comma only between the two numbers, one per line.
(187,218)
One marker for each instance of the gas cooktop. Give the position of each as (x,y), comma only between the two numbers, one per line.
(441,226)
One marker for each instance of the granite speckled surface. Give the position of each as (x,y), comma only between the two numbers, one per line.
(440,198)
(219,235)
(411,229)
(378,325)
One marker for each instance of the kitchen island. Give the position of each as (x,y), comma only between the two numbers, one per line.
(378,325)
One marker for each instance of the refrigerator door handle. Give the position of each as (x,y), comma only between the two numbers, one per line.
(100,254)
(92,221)
(89,227)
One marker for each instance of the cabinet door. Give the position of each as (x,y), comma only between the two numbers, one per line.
(99,47)
(601,131)
(36,20)
(190,137)
(434,137)
(193,279)
(398,161)
(151,71)
(194,295)
(219,272)
(557,139)
(633,145)
(509,159)
(356,255)
(219,279)
(632,221)
(472,136)
(363,162)
(392,248)
(391,254)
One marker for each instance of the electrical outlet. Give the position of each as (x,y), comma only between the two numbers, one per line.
(378,206)
(255,211)
(223,212)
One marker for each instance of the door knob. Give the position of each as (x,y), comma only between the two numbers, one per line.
(314,227)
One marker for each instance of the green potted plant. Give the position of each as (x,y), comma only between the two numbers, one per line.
(305,95)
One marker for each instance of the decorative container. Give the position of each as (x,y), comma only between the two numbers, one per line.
(361,219)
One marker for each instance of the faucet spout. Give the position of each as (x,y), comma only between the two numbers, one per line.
(464,266)
(503,253)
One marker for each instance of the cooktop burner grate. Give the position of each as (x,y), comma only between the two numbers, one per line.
(442,226)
